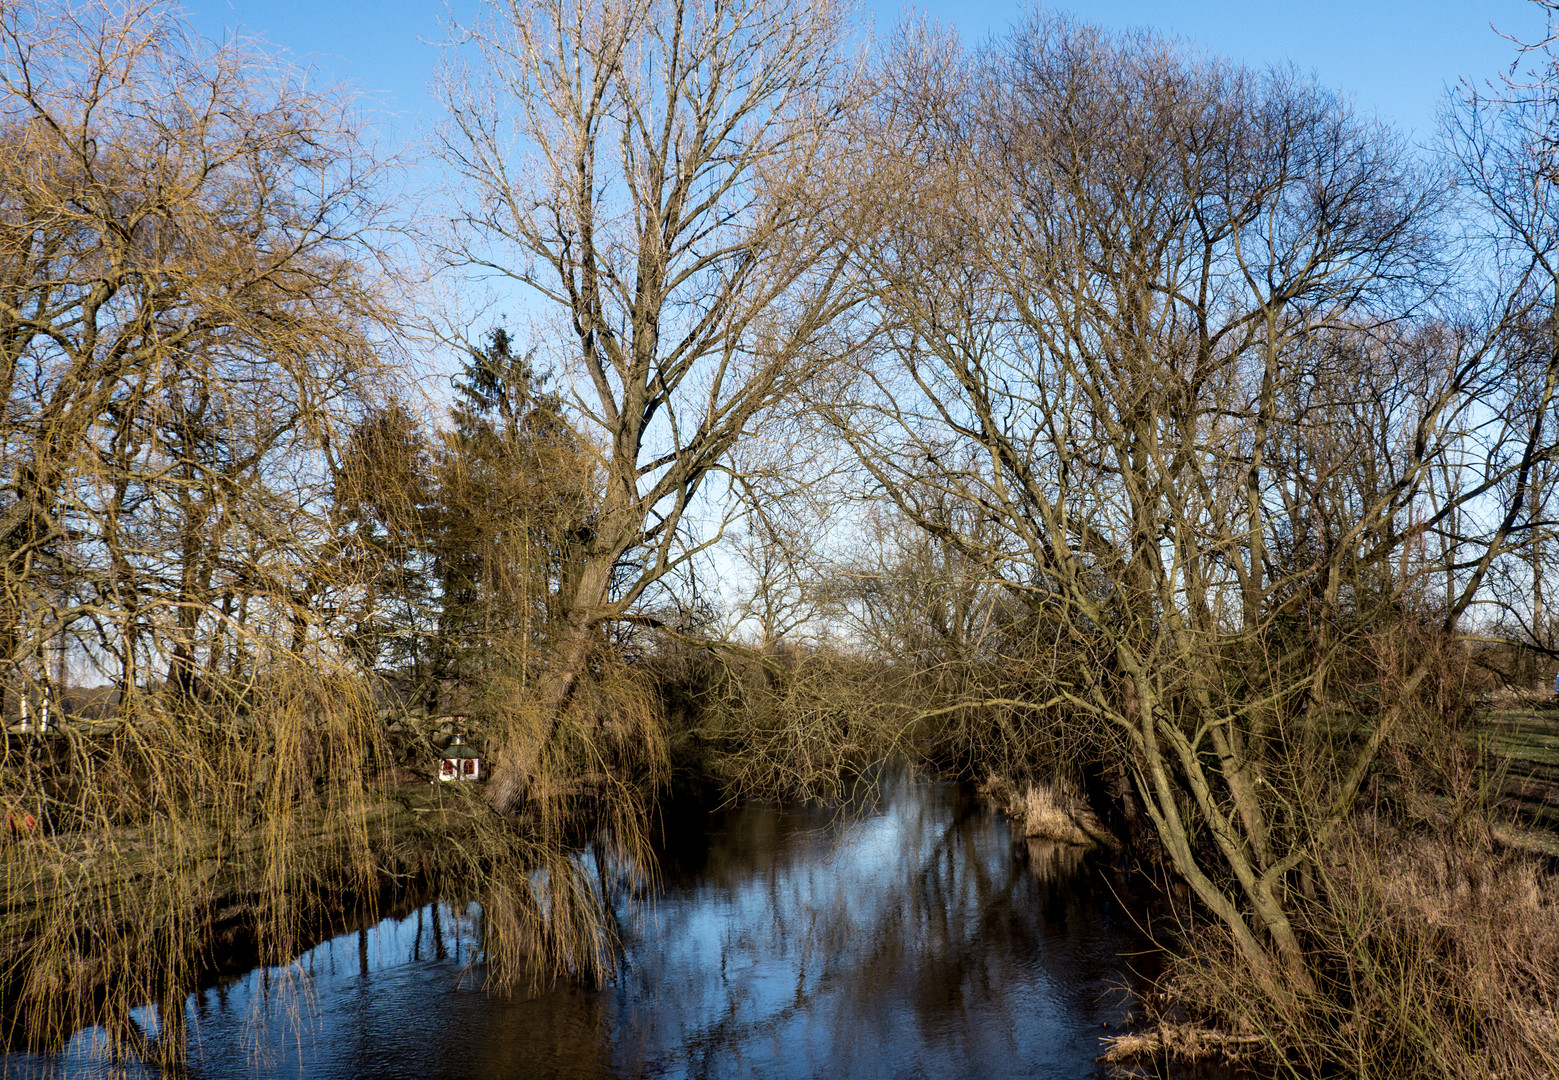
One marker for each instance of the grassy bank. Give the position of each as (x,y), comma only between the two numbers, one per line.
(1521,753)
(1431,917)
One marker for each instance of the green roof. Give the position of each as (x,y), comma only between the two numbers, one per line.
(458,749)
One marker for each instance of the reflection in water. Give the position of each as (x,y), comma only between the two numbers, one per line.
(916,940)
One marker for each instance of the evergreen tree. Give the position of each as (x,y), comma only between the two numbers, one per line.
(516,496)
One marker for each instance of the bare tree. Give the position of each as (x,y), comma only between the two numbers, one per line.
(1147,315)
(192,314)
(647,172)
(183,317)
(1503,141)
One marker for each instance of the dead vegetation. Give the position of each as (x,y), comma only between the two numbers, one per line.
(218,513)
(1048,810)
(1439,958)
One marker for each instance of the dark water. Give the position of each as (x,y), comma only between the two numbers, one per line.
(916,940)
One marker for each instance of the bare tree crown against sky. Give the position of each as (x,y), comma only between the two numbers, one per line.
(188,306)
(646,170)
(1160,325)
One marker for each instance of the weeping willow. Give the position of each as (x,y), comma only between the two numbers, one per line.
(238,583)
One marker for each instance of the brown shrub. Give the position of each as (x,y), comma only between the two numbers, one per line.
(1439,958)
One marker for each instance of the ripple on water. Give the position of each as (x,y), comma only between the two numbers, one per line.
(913,940)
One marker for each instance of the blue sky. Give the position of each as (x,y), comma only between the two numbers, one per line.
(1394,56)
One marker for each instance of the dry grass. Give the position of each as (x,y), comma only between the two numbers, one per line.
(1439,958)
(1048,810)
(1517,698)
(1177,1042)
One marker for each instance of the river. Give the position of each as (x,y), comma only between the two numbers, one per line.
(915,938)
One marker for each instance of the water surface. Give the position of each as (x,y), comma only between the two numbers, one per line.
(913,940)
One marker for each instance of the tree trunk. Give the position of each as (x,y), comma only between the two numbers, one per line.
(518,762)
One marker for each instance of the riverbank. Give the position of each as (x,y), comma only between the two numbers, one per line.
(1431,916)
(250,908)
(1414,888)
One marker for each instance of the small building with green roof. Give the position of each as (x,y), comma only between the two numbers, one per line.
(459,762)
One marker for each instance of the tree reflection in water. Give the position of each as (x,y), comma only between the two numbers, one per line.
(914,938)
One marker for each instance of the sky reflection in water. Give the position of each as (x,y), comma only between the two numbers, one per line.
(913,941)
